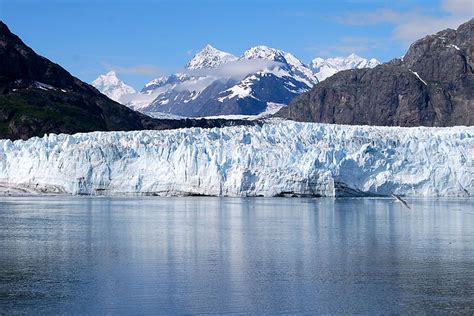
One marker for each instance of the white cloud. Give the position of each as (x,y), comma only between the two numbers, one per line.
(347,45)
(373,17)
(236,70)
(410,26)
(458,6)
(411,30)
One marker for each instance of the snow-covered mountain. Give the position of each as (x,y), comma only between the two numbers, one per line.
(184,93)
(225,85)
(217,83)
(324,68)
(209,57)
(295,67)
(110,85)
(279,158)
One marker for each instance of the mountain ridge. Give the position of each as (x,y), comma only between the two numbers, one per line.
(209,86)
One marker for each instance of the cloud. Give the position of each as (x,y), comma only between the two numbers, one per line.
(135,70)
(236,70)
(458,6)
(347,45)
(411,30)
(410,26)
(373,17)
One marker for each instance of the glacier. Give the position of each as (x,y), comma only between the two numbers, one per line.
(274,158)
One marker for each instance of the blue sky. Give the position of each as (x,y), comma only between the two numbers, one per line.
(143,39)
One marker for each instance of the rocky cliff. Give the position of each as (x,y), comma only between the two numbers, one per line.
(433,85)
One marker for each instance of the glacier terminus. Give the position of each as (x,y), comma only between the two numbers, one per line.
(273,158)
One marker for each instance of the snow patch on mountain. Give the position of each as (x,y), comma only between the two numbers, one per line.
(241,90)
(279,158)
(110,85)
(324,68)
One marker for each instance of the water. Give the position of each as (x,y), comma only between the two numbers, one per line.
(223,255)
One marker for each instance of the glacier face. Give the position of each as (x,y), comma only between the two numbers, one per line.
(276,158)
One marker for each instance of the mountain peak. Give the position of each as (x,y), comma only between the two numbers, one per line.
(324,68)
(209,57)
(264,52)
(110,85)
(3,28)
(286,61)
(209,47)
(109,78)
(354,56)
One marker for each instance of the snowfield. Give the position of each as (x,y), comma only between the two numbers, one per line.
(274,159)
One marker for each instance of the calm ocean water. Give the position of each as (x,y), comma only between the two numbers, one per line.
(231,255)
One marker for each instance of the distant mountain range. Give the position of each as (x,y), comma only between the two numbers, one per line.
(262,80)
(38,97)
(324,68)
(432,85)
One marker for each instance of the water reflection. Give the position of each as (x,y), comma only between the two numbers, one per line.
(203,255)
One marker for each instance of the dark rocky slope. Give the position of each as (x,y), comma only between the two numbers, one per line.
(38,96)
(433,85)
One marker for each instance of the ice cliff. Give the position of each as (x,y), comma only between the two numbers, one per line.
(274,159)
